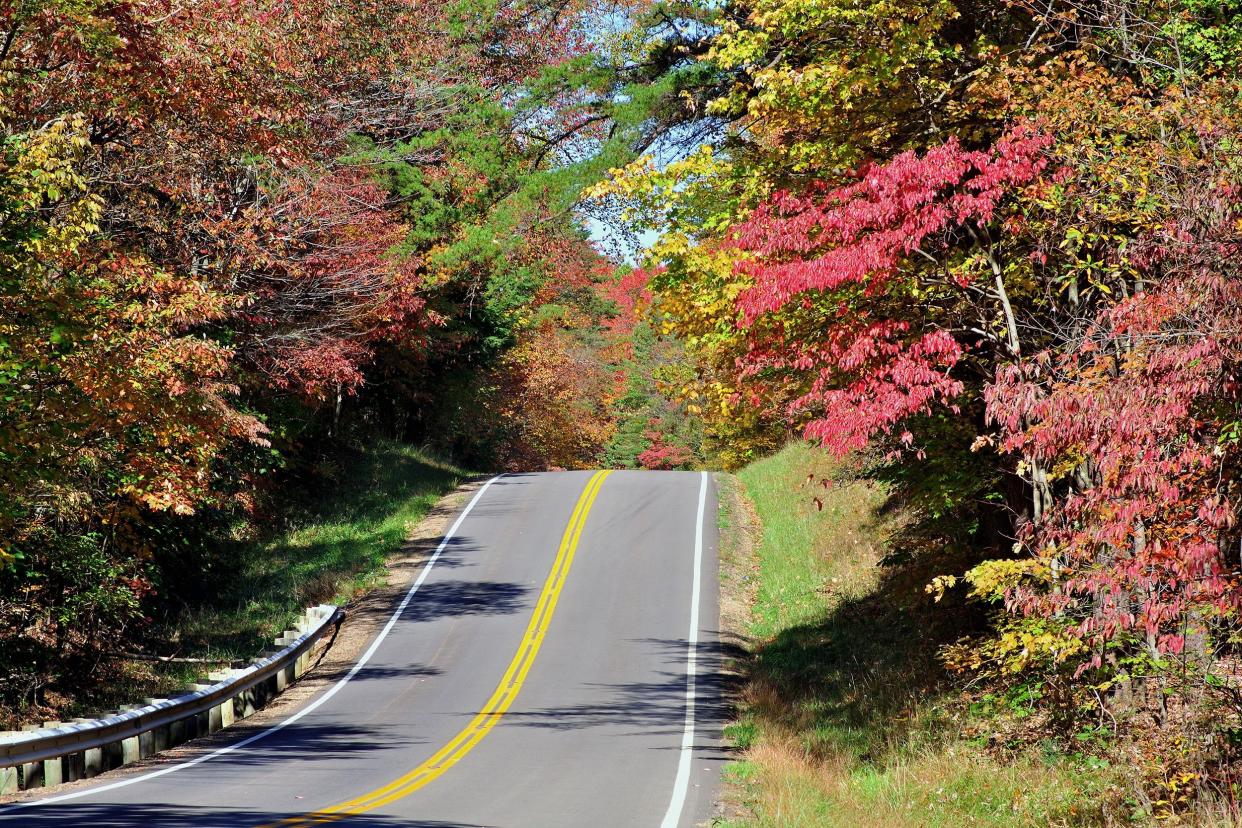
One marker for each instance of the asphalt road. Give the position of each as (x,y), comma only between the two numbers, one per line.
(538,676)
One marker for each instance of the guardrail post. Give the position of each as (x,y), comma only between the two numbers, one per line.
(145,739)
(131,748)
(286,675)
(195,724)
(209,721)
(302,664)
(158,735)
(183,730)
(273,685)
(228,707)
(225,708)
(248,701)
(280,677)
(91,759)
(176,732)
(112,754)
(53,769)
(9,781)
(73,766)
(32,772)
(294,673)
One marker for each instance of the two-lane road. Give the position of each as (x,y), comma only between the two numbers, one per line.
(556,664)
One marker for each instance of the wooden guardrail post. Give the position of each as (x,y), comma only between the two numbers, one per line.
(32,772)
(158,736)
(10,779)
(131,748)
(89,762)
(305,622)
(248,703)
(113,753)
(274,685)
(291,672)
(53,769)
(193,725)
(73,766)
(178,731)
(224,710)
(209,721)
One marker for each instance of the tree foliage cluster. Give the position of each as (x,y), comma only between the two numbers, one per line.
(996,245)
(233,232)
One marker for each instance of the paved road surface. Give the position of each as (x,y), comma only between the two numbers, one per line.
(537,677)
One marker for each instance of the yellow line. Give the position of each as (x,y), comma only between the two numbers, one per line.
(500,700)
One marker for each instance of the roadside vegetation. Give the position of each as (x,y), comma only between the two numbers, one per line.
(336,533)
(227,600)
(846,717)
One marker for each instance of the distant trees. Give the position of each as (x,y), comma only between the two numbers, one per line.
(227,230)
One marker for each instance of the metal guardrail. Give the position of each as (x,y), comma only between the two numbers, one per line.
(63,752)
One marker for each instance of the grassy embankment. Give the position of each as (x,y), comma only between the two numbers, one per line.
(844,718)
(333,542)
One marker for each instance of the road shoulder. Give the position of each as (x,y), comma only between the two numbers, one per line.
(739,529)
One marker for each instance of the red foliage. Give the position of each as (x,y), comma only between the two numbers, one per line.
(870,366)
(860,233)
(663,455)
(323,282)
(1142,400)
(631,295)
(1119,427)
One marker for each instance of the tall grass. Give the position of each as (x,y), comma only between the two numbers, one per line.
(845,718)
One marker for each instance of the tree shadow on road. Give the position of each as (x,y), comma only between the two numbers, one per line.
(657,706)
(174,816)
(298,742)
(458,598)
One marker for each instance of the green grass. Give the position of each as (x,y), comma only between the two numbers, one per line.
(798,559)
(845,717)
(335,544)
(332,542)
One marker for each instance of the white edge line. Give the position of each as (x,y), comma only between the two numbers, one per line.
(310,708)
(682,782)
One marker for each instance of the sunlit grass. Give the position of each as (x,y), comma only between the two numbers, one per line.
(843,719)
(335,545)
(337,535)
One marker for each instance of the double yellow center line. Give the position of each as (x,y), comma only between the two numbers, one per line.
(501,699)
